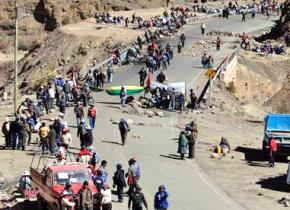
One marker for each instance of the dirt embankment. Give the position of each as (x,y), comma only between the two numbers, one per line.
(261,82)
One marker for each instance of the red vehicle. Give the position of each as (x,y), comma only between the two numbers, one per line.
(52,179)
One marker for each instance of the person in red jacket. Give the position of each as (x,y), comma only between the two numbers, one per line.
(272,151)
(92,113)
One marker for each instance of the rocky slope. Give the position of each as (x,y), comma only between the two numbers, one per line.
(48,47)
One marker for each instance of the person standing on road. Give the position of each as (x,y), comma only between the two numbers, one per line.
(43,134)
(182,39)
(210,62)
(124,129)
(67,200)
(203,27)
(192,129)
(110,72)
(137,200)
(62,104)
(103,171)
(126,22)
(193,100)
(79,112)
(160,199)
(172,96)
(142,76)
(51,93)
(179,47)
(182,145)
(243,16)
(253,12)
(218,44)
(92,114)
(81,133)
(204,60)
(88,137)
(120,182)
(6,132)
(272,151)
(86,197)
(66,138)
(52,139)
(123,96)
(106,197)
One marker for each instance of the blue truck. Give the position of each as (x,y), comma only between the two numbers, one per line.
(278,125)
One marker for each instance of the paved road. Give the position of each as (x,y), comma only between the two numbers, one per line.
(188,186)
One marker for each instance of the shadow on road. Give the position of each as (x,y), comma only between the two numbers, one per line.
(277,183)
(112,142)
(252,154)
(258,164)
(171,157)
(109,103)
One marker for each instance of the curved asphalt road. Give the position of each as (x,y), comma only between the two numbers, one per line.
(188,186)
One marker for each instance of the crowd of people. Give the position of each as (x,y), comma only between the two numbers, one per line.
(55,138)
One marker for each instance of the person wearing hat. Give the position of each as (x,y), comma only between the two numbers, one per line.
(124,129)
(67,200)
(182,144)
(81,132)
(137,200)
(66,138)
(88,137)
(160,199)
(119,181)
(85,197)
(25,181)
(106,198)
(92,114)
(123,96)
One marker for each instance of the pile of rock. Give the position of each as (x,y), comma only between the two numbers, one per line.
(219,33)
(201,46)
(137,108)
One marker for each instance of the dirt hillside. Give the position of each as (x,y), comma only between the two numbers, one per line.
(45,47)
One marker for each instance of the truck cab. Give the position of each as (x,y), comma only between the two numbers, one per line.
(51,181)
(278,125)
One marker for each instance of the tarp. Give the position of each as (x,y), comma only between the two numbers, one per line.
(178,86)
(278,122)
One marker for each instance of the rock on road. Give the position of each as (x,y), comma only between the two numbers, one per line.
(189,188)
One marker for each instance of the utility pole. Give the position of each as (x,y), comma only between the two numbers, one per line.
(210,92)
(17,19)
(15,58)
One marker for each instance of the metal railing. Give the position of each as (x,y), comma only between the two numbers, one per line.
(223,65)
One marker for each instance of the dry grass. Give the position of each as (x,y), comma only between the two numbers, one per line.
(4,44)
(282,108)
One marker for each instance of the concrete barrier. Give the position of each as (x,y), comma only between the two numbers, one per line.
(229,73)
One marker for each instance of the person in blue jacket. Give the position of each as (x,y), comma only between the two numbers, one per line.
(160,200)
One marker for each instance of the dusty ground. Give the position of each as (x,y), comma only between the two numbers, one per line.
(244,174)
